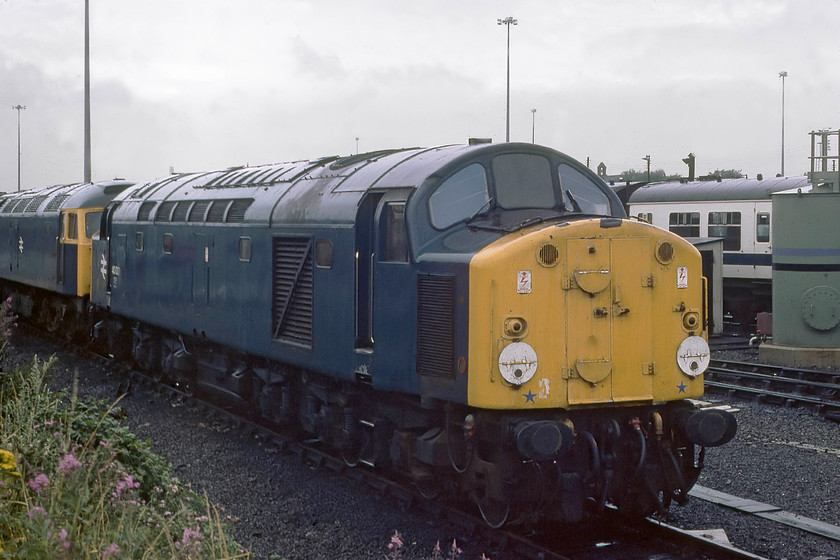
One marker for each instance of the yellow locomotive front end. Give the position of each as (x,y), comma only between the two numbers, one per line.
(586,314)
(587,344)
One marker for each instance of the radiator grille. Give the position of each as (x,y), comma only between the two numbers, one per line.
(291,315)
(435,325)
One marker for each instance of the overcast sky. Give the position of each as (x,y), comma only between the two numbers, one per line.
(206,84)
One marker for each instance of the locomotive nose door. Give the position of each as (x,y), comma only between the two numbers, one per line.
(608,314)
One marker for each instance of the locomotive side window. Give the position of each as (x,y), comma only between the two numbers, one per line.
(684,224)
(762,227)
(459,197)
(167,243)
(523,181)
(396,244)
(580,194)
(245,249)
(323,253)
(138,241)
(728,226)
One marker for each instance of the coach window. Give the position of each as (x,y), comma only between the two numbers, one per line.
(645,217)
(459,197)
(684,224)
(396,244)
(762,227)
(167,243)
(245,249)
(728,226)
(138,241)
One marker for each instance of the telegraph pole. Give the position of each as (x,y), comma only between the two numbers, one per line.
(508,21)
(18,108)
(647,158)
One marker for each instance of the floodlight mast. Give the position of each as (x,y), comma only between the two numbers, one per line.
(508,21)
(18,108)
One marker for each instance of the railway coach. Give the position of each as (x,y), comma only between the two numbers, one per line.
(737,210)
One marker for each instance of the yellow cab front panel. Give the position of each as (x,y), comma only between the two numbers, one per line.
(583,313)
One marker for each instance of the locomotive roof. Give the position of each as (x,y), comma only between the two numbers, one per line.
(56,197)
(324,190)
(725,189)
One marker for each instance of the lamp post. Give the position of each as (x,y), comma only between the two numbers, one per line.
(783,74)
(18,108)
(533,120)
(87,95)
(508,21)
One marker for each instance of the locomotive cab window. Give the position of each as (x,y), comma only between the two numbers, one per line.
(684,224)
(459,197)
(728,226)
(92,220)
(138,241)
(394,237)
(580,194)
(523,181)
(762,227)
(72,226)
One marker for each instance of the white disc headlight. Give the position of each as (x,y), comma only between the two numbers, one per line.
(693,356)
(518,363)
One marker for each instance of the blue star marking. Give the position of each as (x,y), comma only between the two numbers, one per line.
(529,397)
(682,387)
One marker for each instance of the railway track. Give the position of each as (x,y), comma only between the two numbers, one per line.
(806,388)
(611,537)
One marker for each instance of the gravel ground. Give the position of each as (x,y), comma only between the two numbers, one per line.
(285,510)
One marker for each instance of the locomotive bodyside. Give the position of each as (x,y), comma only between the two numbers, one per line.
(483,319)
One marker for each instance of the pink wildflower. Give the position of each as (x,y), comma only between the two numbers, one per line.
(39,483)
(126,485)
(68,463)
(112,550)
(191,535)
(396,541)
(37,511)
(63,541)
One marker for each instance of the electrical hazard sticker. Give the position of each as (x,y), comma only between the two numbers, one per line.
(682,277)
(523,282)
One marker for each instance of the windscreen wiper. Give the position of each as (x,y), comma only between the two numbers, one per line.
(575,206)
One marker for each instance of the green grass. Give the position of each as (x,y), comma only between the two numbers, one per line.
(75,483)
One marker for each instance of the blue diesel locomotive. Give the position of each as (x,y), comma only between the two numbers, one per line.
(481,319)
